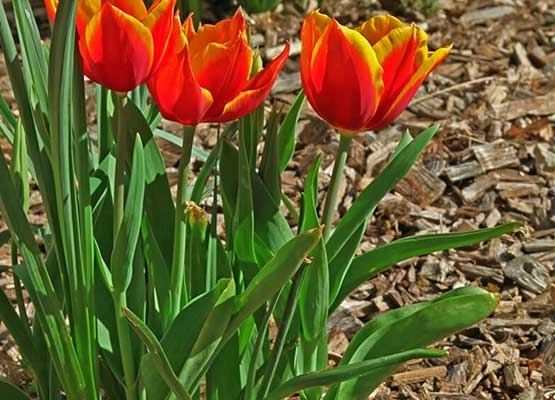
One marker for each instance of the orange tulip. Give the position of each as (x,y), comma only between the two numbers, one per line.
(362,79)
(120,41)
(204,75)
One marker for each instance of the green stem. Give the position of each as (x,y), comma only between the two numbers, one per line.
(120,297)
(180,227)
(337,174)
(288,314)
(290,207)
(121,155)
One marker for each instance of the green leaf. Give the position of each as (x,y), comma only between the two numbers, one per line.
(158,204)
(375,261)
(32,355)
(159,357)
(158,270)
(287,131)
(314,291)
(348,231)
(191,338)
(273,276)
(345,372)
(199,153)
(9,391)
(243,216)
(199,188)
(269,163)
(121,259)
(408,328)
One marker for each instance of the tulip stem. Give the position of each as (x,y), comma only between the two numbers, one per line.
(336,176)
(119,295)
(178,287)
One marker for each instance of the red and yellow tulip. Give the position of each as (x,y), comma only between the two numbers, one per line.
(362,79)
(204,75)
(120,41)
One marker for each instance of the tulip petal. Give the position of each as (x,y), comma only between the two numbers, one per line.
(379,26)
(176,91)
(223,71)
(116,49)
(86,9)
(223,32)
(313,27)
(133,8)
(188,27)
(255,92)
(341,53)
(394,108)
(160,21)
(51,7)
(396,54)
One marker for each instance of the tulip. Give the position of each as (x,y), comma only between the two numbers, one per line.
(362,79)
(204,76)
(120,41)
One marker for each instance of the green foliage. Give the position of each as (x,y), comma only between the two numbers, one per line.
(256,6)
(138,296)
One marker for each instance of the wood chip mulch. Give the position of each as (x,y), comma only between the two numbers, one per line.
(492,162)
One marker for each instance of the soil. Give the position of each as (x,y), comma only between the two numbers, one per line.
(493,161)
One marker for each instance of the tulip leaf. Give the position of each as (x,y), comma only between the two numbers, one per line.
(273,276)
(375,261)
(269,162)
(34,60)
(287,131)
(190,339)
(199,188)
(313,295)
(408,328)
(121,259)
(271,227)
(347,235)
(198,152)
(243,215)
(12,392)
(345,372)
(159,357)
(158,204)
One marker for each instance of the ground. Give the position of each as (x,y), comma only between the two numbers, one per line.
(493,161)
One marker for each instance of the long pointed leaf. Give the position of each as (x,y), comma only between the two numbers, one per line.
(408,328)
(375,261)
(345,372)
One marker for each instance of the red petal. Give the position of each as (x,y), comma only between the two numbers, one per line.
(223,32)
(255,92)
(391,110)
(176,91)
(116,49)
(160,21)
(344,78)
(222,70)
(51,7)
(133,8)
(379,26)
(397,55)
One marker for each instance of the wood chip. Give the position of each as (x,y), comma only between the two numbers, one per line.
(419,375)
(539,105)
(478,188)
(528,273)
(465,170)
(420,186)
(475,17)
(496,155)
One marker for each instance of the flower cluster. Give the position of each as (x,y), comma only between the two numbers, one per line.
(356,79)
